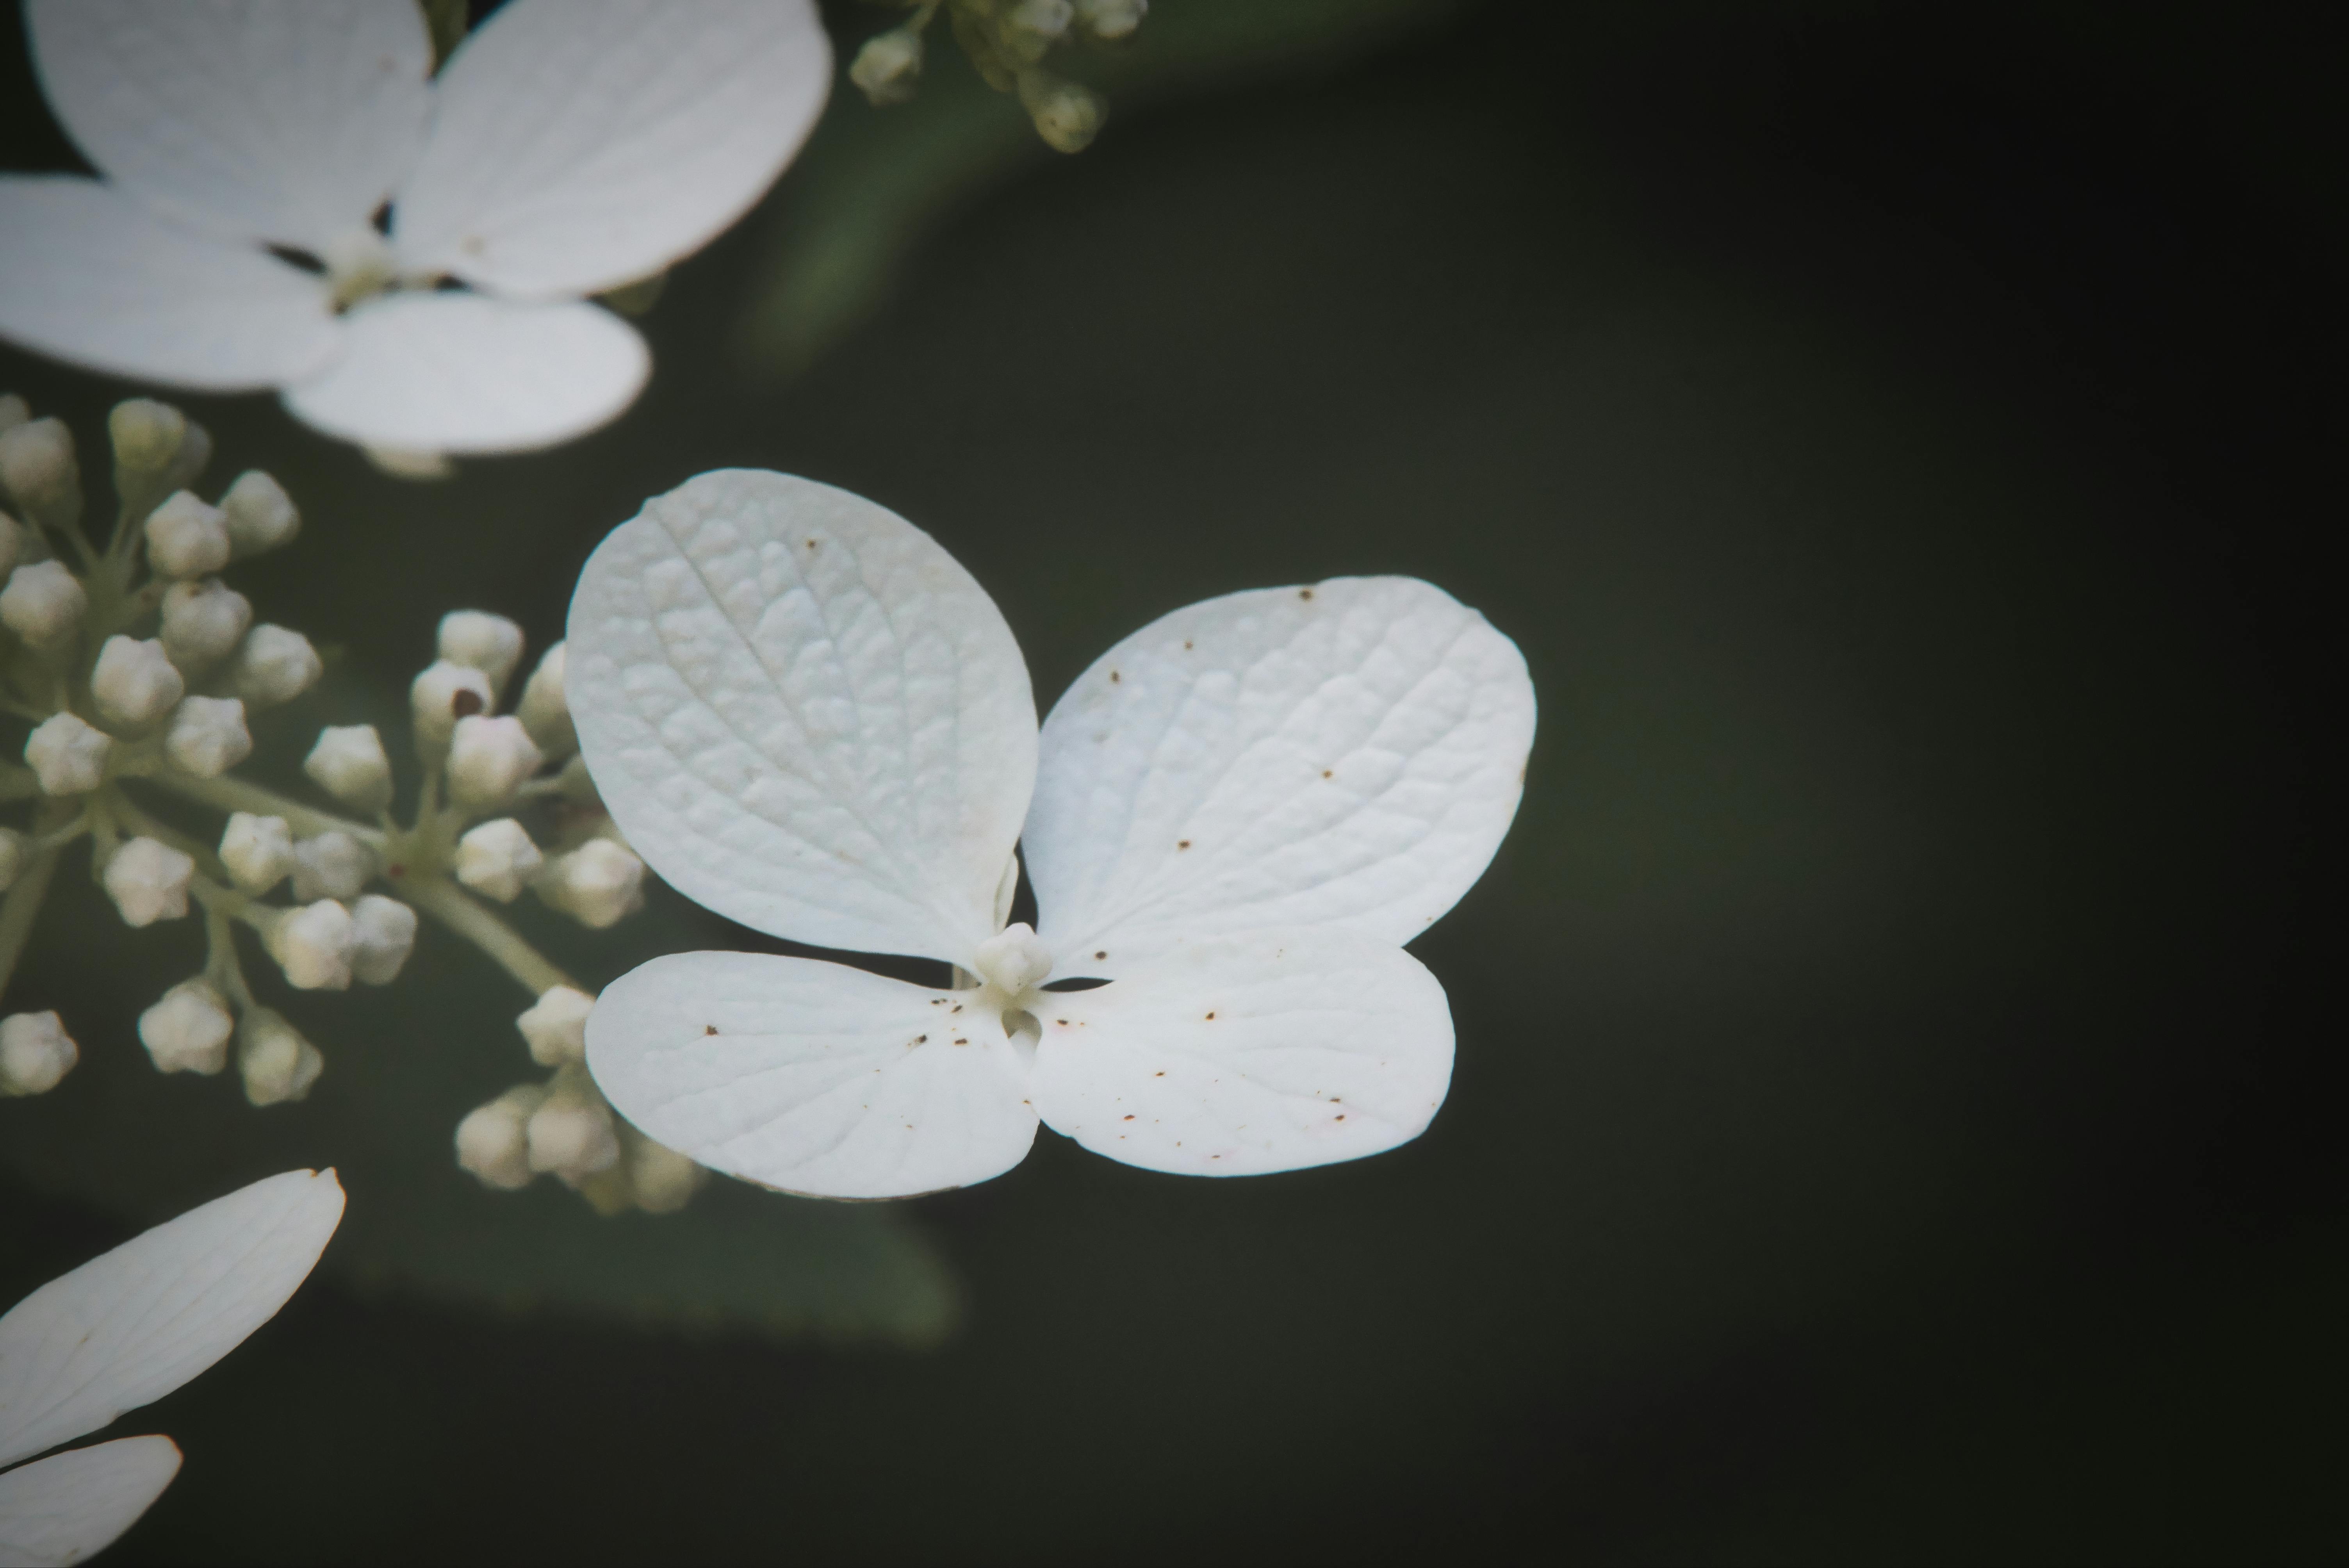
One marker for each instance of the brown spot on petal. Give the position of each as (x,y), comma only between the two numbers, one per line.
(708,1028)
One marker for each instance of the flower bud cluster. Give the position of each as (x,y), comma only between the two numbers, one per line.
(1007,41)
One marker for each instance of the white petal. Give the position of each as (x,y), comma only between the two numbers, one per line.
(73,1504)
(289,122)
(804,714)
(90,277)
(452,372)
(135,1324)
(1348,754)
(1243,1054)
(581,145)
(812,1077)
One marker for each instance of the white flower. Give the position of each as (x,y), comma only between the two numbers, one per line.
(494,1140)
(315,945)
(348,763)
(809,717)
(35,1053)
(543,710)
(43,604)
(385,933)
(261,515)
(203,623)
(489,758)
(275,666)
(480,641)
(207,735)
(134,682)
(38,466)
(496,859)
(567,149)
(125,1329)
(331,865)
(442,694)
(257,850)
(148,880)
(556,1025)
(187,537)
(277,1064)
(145,435)
(188,1031)
(595,884)
(67,756)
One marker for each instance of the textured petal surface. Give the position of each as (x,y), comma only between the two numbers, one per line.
(579,144)
(90,277)
(1348,753)
(452,372)
(286,120)
(133,1324)
(1238,1056)
(804,714)
(810,1076)
(73,1504)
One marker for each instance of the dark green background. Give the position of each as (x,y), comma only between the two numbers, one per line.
(1889,1121)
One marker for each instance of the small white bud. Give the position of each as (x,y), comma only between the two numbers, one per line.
(276,1063)
(889,66)
(662,1178)
(1066,116)
(43,604)
(146,434)
(38,467)
(203,623)
(494,1140)
(188,1031)
(572,1137)
(67,756)
(496,859)
(14,411)
(440,695)
(135,681)
(489,758)
(275,666)
(259,514)
(148,880)
(1013,959)
(314,945)
(556,1025)
(12,857)
(386,935)
(207,735)
(195,452)
(1044,18)
(257,850)
(480,641)
(186,537)
(545,710)
(333,864)
(1112,19)
(595,884)
(348,763)
(35,1052)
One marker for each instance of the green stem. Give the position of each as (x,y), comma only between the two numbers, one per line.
(236,795)
(23,905)
(445,902)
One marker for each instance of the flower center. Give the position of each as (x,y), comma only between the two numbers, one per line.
(1012,961)
(359,263)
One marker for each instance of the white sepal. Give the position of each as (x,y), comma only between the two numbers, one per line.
(63,1508)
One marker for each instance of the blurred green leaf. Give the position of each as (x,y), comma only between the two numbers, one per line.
(873,183)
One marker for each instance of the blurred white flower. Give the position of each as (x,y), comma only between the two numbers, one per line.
(125,1329)
(805,714)
(569,147)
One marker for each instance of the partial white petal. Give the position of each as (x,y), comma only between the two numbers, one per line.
(88,276)
(73,1504)
(581,144)
(1243,1055)
(285,120)
(135,1324)
(451,372)
(812,1077)
(804,714)
(1348,754)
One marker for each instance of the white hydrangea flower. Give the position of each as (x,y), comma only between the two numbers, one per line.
(134,682)
(496,859)
(567,147)
(809,717)
(68,755)
(148,880)
(36,1053)
(188,1031)
(125,1329)
(257,850)
(207,735)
